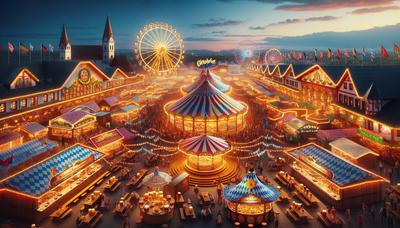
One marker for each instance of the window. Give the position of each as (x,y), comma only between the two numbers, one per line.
(23,103)
(32,99)
(3,108)
(14,105)
(51,96)
(345,85)
(350,86)
(45,98)
(398,131)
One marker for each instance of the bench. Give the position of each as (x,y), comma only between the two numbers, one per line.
(302,199)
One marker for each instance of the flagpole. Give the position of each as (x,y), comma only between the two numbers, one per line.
(41,46)
(30,56)
(8,56)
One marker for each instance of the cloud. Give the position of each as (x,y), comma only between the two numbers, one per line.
(257,27)
(218,32)
(286,22)
(316,5)
(370,38)
(324,18)
(301,20)
(375,9)
(218,22)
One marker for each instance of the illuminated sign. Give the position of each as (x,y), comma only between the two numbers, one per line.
(206,62)
(369,135)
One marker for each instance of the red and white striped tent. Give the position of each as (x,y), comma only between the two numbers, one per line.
(206,101)
(204,145)
(207,76)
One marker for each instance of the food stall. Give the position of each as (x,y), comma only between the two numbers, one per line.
(34,130)
(37,191)
(10,140)
(354,152)
(72,125)
(250,201)
(338,181)
(125,114)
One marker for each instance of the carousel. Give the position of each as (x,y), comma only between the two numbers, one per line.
(250,201)
(204,153)
(206,110)
(207,76)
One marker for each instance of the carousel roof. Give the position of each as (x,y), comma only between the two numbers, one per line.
(251,185)
(215,81)
(206,101)
(204,144)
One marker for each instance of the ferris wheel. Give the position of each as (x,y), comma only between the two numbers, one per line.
(273,56)
(159,48)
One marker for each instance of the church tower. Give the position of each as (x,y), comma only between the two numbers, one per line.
(64,45)
(108,43)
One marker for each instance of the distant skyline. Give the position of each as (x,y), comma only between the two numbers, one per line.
(207,24)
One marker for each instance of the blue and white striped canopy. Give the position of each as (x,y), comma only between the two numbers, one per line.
(206,101)
(251,185)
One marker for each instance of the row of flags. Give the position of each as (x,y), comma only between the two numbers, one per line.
(27,49)
(346,54)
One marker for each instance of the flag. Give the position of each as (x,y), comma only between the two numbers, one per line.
(346,53)
(355,54)
(384,53)
(1,48)
(338,54)
(315,55)
(10,47)
(372,54)
(364,52)
(321,54)
(43,49)
(23,49)
(51,48)
(30,47)
(53,171)
(396,48)
(7,161)
(329,53)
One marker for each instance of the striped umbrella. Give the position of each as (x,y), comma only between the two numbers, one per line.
(204,144)
(206,101)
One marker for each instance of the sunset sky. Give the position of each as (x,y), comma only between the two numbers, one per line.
(206,24)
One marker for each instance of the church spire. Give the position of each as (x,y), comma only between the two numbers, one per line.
(64,41)
(107,31)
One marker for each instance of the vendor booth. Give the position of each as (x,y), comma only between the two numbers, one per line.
(354,152)
(250,201)
(34,130)
(71,125)
(338,181)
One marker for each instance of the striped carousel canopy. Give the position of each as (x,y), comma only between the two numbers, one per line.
(204,144)
(251,185)
(206,101)
(213,79)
